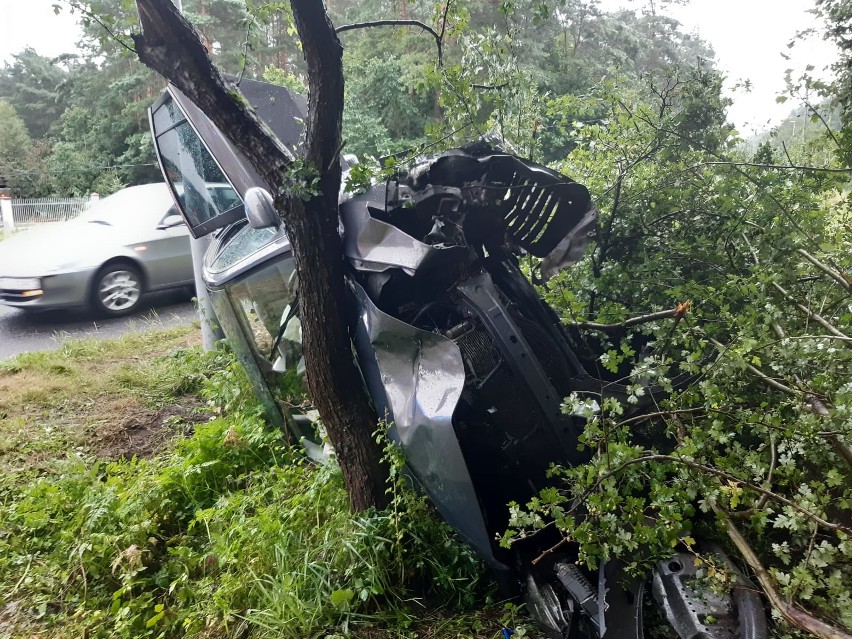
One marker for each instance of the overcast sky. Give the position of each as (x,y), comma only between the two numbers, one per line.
(748,36)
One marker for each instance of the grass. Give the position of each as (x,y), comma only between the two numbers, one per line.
(86,393)
(142,495)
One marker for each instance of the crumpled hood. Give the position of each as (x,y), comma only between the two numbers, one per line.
(64,245)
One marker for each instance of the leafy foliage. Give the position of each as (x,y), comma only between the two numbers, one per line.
(755,255)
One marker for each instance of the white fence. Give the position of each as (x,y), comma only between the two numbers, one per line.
(25,213)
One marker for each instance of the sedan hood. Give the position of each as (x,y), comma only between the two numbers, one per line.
(64,245)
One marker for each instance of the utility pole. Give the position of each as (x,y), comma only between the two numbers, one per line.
(211,332)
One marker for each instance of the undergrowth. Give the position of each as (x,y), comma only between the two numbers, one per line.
(226,532)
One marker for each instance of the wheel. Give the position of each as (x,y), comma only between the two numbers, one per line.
(117,290)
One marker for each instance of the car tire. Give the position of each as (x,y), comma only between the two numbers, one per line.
(117,289)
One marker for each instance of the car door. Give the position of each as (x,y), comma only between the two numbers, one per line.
(166,256)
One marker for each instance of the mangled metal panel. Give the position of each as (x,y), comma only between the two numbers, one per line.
(375,245)
(469,197)
(418,376)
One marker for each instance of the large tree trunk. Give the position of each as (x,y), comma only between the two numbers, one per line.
(171,47)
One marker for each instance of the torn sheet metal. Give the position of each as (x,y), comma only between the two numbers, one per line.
(374,245)
(419,376)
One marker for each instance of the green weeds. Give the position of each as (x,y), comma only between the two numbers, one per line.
(218,528)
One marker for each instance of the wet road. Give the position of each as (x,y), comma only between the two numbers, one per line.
(22,332)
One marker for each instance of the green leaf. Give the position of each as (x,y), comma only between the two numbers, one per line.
(153,620)
(341,597)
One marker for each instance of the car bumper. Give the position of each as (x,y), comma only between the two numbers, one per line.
(51,291)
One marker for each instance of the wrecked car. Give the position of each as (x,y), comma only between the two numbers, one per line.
(457,349)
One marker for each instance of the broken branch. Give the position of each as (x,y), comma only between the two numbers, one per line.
(676,312)
(818,407)
(763,377)
(819,319)
(837,277)
(795,616)
(550,551)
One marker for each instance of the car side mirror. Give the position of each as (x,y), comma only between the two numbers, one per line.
(170,221)
(260,208)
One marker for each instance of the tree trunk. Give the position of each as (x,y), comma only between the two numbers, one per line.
(333,380)
(170,46)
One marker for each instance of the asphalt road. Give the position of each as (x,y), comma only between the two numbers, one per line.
(22,332)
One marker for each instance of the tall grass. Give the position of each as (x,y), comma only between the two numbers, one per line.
(226,532)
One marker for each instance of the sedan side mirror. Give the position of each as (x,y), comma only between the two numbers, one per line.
(260,208)
(170,221)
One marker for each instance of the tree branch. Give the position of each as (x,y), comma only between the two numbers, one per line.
(775,167)
(490,87)
(763,377)
(819,319)
(677,312)
(795,616)
(717,473)
(825,124)
(837,277)
(444,14)
(171,47)
(819,408)
(92,16)
(662,413)
(400,23)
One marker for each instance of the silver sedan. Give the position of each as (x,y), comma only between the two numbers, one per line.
(127,244)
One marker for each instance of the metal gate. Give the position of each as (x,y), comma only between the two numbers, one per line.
(25,213)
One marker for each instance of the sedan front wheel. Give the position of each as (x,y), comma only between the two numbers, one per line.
(118,289)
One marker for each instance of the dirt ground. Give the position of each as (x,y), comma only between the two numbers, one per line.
(142,431)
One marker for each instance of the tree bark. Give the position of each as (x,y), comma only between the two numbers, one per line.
(170,46)
(333,380)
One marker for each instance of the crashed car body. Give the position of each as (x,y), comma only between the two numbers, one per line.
(458,351)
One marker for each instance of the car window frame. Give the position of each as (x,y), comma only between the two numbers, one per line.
(219,221)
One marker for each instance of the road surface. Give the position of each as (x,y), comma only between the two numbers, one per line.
(22,332)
